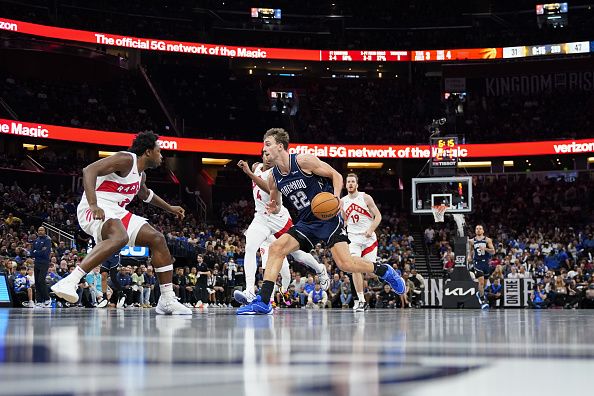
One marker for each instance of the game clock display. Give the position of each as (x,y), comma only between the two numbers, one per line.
(444,152)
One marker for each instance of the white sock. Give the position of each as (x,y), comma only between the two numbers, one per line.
(308,260)
(361,296)
(77,274)
(167,289)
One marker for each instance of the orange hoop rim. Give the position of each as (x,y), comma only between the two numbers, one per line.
(439,208)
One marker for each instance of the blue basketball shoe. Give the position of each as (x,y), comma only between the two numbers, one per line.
(393,278)
(256,307)
(484,304)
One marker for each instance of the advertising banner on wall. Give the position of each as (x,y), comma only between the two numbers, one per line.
(41,132)
(319,55)
(516,292)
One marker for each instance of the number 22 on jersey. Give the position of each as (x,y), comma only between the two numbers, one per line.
(300,200)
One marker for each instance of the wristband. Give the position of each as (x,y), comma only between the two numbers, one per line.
(150,196)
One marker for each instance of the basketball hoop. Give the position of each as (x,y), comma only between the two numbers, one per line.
(438,212)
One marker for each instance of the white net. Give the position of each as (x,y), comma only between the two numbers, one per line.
(438,212)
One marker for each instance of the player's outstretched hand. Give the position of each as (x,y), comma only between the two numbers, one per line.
(243,165)
(271,206)
(98,213)
(178,211)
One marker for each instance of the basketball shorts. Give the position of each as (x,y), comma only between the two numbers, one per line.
(110,263)
(263,225)
(132,222)
(481,269)
(308,234)
(361,246)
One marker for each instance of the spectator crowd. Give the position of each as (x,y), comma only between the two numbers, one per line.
(541,230)
(546,236)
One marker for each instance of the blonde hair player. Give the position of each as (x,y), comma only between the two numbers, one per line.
(362,218)
(266,228)
(299,178)
(110,185)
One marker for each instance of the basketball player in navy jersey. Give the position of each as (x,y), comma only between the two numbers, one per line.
(299,178)
(479,254)
(266,227)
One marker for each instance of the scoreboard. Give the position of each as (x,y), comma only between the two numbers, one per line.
(444,152)
(577,47)
(364,56)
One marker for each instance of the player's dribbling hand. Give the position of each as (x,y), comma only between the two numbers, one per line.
(271,206)
(178,211)
(98,213)
(243,165)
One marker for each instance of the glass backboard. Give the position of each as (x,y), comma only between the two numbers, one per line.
(454,192)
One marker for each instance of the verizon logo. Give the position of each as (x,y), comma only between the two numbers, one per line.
(9,26)
(574,147)
(167,144)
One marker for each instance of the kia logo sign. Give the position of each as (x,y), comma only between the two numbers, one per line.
(134,251)
(458,291)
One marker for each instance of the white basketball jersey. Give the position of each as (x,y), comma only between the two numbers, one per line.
(358,216)
(116,190)
(261,197)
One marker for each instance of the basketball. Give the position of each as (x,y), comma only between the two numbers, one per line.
(325,206)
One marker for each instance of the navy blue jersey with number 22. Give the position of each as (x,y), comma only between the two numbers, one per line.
(299,188)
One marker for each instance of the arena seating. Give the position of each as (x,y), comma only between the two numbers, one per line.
(561,240)
(543,226)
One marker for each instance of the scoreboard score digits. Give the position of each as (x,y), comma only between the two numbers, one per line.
(444,152)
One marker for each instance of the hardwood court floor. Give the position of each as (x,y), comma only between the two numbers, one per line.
(304,352)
